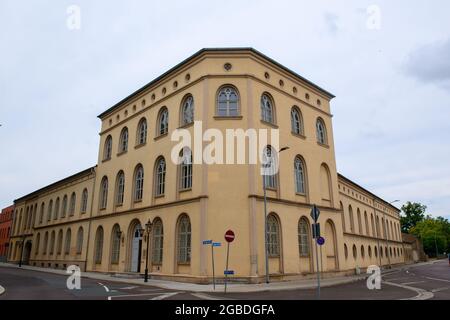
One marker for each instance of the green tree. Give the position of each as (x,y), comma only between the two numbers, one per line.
(413,213)
(434,233)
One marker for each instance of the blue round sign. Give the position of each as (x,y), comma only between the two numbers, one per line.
(321,241)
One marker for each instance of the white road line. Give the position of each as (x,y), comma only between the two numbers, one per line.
(421,293)
(106,288)
(134,295)
(127,288)
(437,279)
(414,282)
(2,290)
(208,297)
(440,289)
(164,296)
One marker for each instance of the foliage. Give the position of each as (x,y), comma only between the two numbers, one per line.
(434,233)
(413,213)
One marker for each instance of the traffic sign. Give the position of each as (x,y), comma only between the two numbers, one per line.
(229,236)
(207,241)
(321,241)
(315,212)
(216,244)
(228,272)
(316,230)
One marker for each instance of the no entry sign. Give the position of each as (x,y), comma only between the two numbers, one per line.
(229,236)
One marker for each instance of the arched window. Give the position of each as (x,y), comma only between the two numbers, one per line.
(345,251)
(362,252)
(73,199)
(38,240)
(184,240)
(321,131)
(56,212)
(296,121)
(41,214)
(366,222)
(270,167)
(355,252)
(370,251)
(142,132)
(352,222)
(273,236)
(372,222)
(84,201)
(80,240)
(299,171)
(163,122)
(303,237)
(187,110)
(108,148)
(138,183)
(52,243)
(98,246)
(123,142)
(375,250)
(104,193)
(120,188)
(158,237)
(59,242)
(115,244)
(358,213)
(185,169)
(160,176)
(64,207)
(228,102)
(44,251)
(49,212)
(68,241)
(267,111)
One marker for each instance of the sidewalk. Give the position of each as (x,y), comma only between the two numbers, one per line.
(231,287)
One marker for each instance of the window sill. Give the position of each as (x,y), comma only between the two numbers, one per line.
(137,201)
(300,194)
(271,189)
(140,145)
(161,136)
(299,135)
(270,124)
(185,190)
(187,125)
(121,153)
(323,145)
(228,117)
(184,263)
(106,160)
(159,196)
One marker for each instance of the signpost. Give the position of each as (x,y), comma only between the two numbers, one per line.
(213,244)
(315,212)
(229,237)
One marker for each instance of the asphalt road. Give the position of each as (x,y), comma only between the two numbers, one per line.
(431,281)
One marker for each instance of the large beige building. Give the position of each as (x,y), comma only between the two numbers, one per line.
(97,218)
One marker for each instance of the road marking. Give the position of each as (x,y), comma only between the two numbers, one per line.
(128,288)
(164,296)
(2,290)
(106,288)
(134,295)
(414,282)
(440,289)
(421,293)
(208,297)
(437,279)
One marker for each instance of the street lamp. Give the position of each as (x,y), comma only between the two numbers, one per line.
(266,244)
(148,228)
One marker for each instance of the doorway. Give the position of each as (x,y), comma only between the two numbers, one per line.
(136,249)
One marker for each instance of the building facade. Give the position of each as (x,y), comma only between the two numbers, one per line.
(6,218)
(137,196)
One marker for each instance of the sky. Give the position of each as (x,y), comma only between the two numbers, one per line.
(387,62)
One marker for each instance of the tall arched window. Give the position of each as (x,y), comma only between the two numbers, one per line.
(52,243)
(38,240)
(80,240)
(138,183)
(84,201)
(184,240)
(187,110)
(64,207)
(68,241)
(59,242)
(142,132)
(358,213)
(355,252)
(296,121)
(299,171)
(345,251)
(73,199)
(120,188)
(273,236)
(185,169)
(41,214)
(49,212)
(123,142)
(160,176)
(98,246)
(107,151)
(104,193)
(372,222)
(366,222)
(56,212)
(158,239)
(163,122)
(44,251)
(352,222)
(270,168)
(267,110)
(303,237)
(228,102)
(115,244)
(321,131)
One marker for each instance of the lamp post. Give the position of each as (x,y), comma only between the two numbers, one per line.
(148,227)
(266,244)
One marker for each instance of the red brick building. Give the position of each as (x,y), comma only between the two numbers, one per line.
(6,219)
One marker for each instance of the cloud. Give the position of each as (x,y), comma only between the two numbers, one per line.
(331,22)
(430,63)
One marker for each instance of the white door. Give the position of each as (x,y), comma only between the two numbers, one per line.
(135,249)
